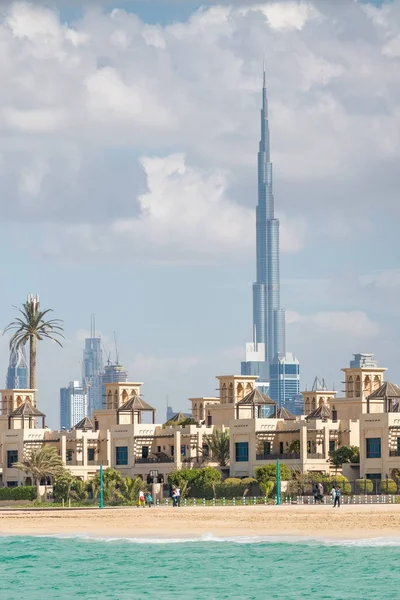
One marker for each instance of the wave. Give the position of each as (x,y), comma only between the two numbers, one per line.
(209,537)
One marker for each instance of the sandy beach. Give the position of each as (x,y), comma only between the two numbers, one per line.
(351,521)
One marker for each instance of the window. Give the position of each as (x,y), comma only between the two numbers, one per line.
(206,450)
(373,447)
(158,448)
(12,457)
(309,447)
(172,450)
(68,456)
(332,445)
(242,451)
(280,447)
(96,425)
(334,415)
(183,450)
(398,444)
(209,420)
(267,448)
(90,454)
(145,452)
(12,483)
(121,455)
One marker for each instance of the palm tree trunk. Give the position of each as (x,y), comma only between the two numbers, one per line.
(32,362)
(37,482)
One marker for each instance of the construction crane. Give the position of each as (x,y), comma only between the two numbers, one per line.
(116,349)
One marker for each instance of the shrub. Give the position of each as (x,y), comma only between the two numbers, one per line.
(342,482)
(388,486)
(364,486)
(268,472)
(18,493)
(230,488)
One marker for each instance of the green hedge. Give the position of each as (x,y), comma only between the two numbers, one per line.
(388,487)
(365,485)
(18,493)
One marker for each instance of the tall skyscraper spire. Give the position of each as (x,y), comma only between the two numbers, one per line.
(268,319)
(266,355)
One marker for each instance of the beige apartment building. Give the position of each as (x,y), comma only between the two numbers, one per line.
(125,436)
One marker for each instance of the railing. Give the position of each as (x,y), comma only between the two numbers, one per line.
(315,455)
(274,456)
(394,453)
(165,459)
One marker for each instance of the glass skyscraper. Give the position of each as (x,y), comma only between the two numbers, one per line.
(267,357)
(73,405)
(92,373)
(17,372)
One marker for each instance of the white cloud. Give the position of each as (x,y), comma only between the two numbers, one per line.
(351,323)
(284,16)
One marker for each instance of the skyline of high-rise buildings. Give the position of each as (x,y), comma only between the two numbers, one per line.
(17,377)
(266,356)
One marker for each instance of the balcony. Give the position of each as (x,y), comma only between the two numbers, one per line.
(394,452)
(153,460)
(274,456)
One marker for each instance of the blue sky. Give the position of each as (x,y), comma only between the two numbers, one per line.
(128,182)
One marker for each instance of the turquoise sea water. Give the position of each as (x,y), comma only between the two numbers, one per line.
(51,567)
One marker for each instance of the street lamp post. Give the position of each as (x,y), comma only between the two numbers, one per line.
(101,504)
(278,481)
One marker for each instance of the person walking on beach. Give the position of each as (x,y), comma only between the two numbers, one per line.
(149,499)
(321,492)
(337,497)
(174,496)
(178,497)
(141,498)
(333,493)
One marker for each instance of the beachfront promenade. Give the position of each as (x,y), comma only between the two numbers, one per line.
(350,521)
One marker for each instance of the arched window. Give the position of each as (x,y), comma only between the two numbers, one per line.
(240,391)
(223,393)
(321,402)
(124,397)
(109,400)
(249,388)
(116,399)
(19,400)
(307,407)
(377,382)
(358,386)
(201,412)
(350,386)
(367,385)
(230,393)
(194,411)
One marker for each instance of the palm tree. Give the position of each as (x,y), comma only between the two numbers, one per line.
(45,462)
(33,327)
(218,443)
(129,490)
(79,490)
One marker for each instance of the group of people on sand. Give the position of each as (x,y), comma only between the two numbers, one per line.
(318,493)
(145,499)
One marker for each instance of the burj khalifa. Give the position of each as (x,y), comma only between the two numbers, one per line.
(266,356)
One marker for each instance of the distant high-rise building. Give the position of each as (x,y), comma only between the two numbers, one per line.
(114,373)
(269,327)
(284,380)
(17,372)
(92,370)
(73,404)
(363,361)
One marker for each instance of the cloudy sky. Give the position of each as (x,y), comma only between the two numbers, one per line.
(128,154)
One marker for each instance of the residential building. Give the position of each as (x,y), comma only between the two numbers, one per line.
(17,372)
(73,405)
(269,326)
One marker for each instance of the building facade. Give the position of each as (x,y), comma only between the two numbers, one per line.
(73,405)
(284,380)
(17,372)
